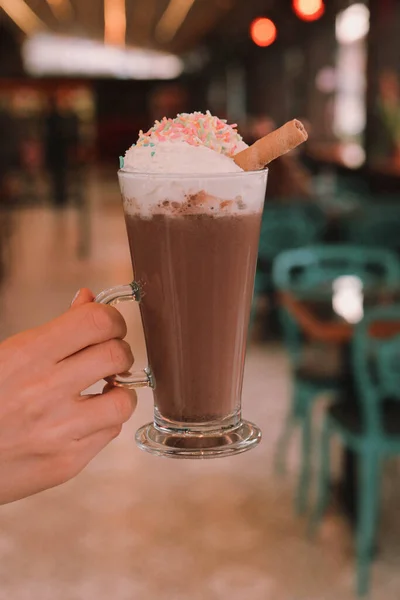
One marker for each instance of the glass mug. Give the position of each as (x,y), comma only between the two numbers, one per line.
(194,245)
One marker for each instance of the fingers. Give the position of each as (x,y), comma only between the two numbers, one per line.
(104,411)
(79,371)
(88,447)
(83,326)
(83,296)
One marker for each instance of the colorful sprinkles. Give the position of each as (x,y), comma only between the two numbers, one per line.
(121,162)
(197,129)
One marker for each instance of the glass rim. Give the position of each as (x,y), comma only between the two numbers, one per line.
(149,175)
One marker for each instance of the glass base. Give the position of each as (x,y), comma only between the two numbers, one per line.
(184,444)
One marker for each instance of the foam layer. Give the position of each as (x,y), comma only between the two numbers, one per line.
(239,193)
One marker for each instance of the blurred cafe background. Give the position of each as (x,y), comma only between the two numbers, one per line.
(312,513)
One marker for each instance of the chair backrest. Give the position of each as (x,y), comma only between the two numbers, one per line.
(378,224)
(376,363)
(286,226)
(305,268)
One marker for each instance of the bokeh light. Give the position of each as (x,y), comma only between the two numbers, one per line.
(263,31)
(309,10)
(352,24)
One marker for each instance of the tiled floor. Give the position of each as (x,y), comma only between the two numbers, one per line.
(135,527)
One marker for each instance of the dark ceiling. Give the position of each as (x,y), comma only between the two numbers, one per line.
(86,18)
(225,20)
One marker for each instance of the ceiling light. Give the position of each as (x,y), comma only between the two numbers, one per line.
(352,24)
(22,15)
(309,10)
(46,54)
(114,22)
(61,9)
(263,31)
(172,19)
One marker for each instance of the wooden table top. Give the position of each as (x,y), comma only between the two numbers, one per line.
(314,313)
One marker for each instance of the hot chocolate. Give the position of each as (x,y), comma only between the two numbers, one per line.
(196,272)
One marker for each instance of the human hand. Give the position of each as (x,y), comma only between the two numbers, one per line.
(48,431)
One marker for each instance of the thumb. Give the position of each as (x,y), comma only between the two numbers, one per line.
(83,296)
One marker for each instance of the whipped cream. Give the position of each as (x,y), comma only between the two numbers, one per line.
(190,143)
(177,157)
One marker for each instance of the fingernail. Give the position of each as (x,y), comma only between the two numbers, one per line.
(75,297)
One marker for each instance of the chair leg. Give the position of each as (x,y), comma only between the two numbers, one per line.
(283,444)
(323,479)
(305,467)
(369,471)
(292,419)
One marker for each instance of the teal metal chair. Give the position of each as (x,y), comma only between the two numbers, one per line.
(305,269)
(302,271)
(370,428)
(377,224)
(286,225)
(289,224)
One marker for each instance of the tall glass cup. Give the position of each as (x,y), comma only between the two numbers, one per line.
(193,242)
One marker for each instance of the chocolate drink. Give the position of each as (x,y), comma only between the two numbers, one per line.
(196,273)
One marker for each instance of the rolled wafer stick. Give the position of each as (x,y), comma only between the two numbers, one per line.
(271,146)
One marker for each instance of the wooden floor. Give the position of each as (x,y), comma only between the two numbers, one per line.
(135,527)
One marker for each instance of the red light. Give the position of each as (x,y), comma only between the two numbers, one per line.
(263,32)
(309,10)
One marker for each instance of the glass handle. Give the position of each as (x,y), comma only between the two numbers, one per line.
(113,296)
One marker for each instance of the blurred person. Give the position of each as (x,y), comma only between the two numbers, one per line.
(287,177)
(167,101)
(61,142)
(389,111)
(48,431)
(31,153)
(261,126)
(288,180)
(9,151)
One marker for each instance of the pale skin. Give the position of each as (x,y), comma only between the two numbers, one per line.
(48,431)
